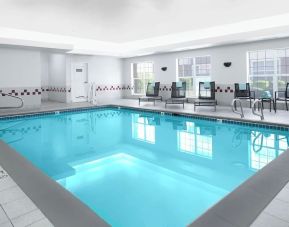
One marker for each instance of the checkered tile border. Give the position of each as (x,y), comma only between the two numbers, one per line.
(99,88)
(113,87)
(21,91)
(56,89)
(225,89)
(219,88)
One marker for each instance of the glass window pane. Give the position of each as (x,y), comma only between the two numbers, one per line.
(187,71)
(142,74)
(138,86)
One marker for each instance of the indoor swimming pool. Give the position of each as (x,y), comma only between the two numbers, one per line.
(136,168)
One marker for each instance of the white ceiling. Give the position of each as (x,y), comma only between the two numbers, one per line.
(131,27)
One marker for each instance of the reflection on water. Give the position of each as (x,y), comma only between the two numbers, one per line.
(265,147)
(194,142)
(143,128)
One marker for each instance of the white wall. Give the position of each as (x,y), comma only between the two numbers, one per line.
(57,77)
(19,68)
(57,73)
(24,69)
(104,72)
(57,69)
(44,75)
(20,71)
(222,75)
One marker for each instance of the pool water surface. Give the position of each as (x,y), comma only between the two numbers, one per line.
(137,168)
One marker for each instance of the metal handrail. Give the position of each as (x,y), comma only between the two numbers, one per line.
(234,103)
(261,115)
(13,107)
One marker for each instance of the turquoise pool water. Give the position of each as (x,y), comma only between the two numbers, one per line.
(143,169)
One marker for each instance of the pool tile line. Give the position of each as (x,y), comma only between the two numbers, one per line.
(228,120)
(243,122)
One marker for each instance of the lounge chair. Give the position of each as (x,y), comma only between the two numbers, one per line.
(178,94)
(243,91)
(206,95)
(152,93)
(282,96)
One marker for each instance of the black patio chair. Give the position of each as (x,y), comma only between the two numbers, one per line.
(206,95)
(178,94)
(282,96)
(152,93)
(243,91)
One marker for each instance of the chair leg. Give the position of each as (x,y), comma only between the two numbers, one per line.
(286,104)
(139,102)
(250,103)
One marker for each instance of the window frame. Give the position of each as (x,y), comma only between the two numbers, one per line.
(142,79)
(195,78)
(276,71)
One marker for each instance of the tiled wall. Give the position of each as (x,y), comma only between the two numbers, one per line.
(102,92)
(111,91)
(55,92)
(30,95)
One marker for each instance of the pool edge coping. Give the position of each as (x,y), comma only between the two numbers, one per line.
(260,186)
(57,204)
(209,215)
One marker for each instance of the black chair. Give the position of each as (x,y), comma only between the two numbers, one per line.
(152,93)
(206,95)
(178,94)
(243,91)
(282,96)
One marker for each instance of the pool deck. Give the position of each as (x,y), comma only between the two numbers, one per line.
(17,209)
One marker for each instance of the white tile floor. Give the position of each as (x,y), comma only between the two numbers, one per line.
(16,209)
(276,214)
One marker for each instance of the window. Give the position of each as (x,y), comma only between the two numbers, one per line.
(142,129)
(268,70)
(192,71)
(142,74)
